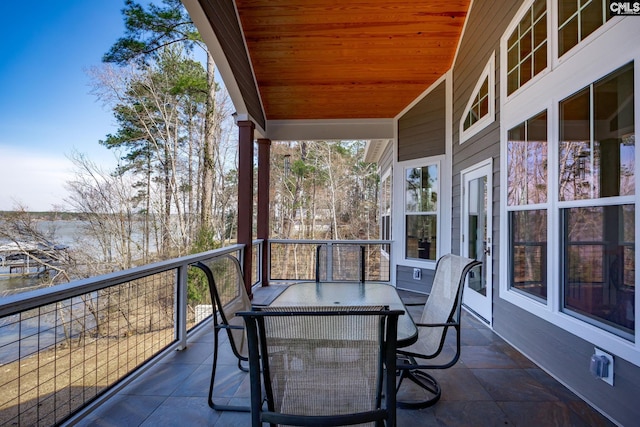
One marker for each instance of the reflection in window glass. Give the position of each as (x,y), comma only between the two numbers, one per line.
(528,252)
(385,208)
(576,20)
(527,162)
(527,47)
(421,236)
(480,107)
(422,189)
(597,139)
(599,266)
(421,206)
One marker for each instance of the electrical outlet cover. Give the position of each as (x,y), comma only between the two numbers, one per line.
(609,378)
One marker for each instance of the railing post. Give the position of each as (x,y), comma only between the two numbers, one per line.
(262,226)
(245,197)
(362,264)
(181,306)
(329,261)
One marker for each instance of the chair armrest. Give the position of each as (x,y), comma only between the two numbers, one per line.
(222,326)
(438,324)
(414,304)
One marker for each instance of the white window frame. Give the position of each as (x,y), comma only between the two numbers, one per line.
(613,46)
(387,174)
(488,73)
(399,189)
(556,59)
(503,49)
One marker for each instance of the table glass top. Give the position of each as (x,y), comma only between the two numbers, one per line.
(350,294)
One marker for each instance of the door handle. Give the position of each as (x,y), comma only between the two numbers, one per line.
(487,249)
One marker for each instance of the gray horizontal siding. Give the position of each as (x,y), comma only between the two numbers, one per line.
(386,159)
(421,130)
(405,280)
(558,352)
(567,358)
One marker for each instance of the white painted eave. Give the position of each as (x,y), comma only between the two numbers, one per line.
(374,149)
(310,130)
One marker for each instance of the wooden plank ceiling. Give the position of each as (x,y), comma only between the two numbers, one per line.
(341,59)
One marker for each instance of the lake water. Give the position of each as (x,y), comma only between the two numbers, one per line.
(65,232)
(27,336)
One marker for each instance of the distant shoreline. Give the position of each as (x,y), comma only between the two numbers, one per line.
(46,215)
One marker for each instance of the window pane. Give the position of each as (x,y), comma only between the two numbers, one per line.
(575,147)
(566,9)
(513,56)
(429,188)
(528,250)
(468,121)
(516,166)
(421,188)
(513,81)
(568,36)
(484,89)
(539,33)
(421,236)
(591,18)
(525,22)
(599,265)
(526,44)
(525,70)
(614,146)
(540,59)
(539,9)
(527,162)
(413,189)
(484,106)
(531,33)
(602,165)
(577,20)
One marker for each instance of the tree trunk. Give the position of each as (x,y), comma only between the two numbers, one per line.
(208,147)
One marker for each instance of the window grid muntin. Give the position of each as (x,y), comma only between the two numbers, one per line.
(385,207)
(579,16)
(592,169)
(536,56)
(431,213)
(534,283)
(480,106)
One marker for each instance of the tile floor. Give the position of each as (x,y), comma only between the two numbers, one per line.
(491,385)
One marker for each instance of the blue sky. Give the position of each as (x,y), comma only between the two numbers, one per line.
(46,108)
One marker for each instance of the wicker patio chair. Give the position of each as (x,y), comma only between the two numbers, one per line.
(441,312)
(228,296)
(322,366)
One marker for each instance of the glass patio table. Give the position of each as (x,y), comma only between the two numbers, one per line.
(322,294)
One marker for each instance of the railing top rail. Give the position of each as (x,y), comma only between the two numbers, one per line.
(333,242)
(17,303)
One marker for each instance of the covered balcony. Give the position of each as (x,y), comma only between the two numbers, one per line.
(136,348)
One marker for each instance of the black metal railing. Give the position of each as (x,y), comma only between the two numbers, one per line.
(69,346)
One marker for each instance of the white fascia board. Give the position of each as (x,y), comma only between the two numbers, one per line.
(338,129)
(374,149)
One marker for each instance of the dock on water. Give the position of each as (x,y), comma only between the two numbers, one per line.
(27,258)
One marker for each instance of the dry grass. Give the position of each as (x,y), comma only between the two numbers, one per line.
(46,387)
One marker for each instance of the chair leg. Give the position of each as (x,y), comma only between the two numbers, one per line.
(212,404)
(425,382)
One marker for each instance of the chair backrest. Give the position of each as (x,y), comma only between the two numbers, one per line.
(444,302)
(341,262)
(228,297)
(322,364)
